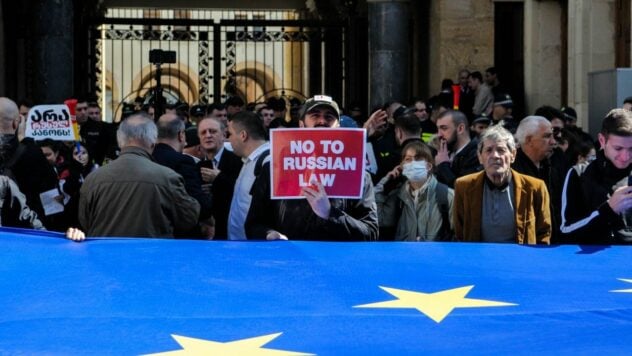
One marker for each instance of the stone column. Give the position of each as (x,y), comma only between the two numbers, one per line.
(591,28)
(542,54)
(51,50)
(388,51)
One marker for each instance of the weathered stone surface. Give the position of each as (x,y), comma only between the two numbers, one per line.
(461,36)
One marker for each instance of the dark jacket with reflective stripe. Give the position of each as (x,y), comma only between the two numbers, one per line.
(586,216)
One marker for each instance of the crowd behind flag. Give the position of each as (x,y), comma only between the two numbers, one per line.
(455,167)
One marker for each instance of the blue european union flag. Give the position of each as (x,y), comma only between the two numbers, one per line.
(176,297)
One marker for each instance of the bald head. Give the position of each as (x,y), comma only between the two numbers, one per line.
(169,126)
(171,131)
(9,116)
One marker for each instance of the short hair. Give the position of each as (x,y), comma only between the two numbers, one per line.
(222,125)
(497,133)
(25,102)
(266,107)
(446,84)
(528,126)
(138,127)
(477,75)
(421,149)
(628,100)
(277,103)
(94,104)
(491,70)
(549,113)
(409,123)
(50,143)
(617,122)
(234,101)
(170,126)
(82,99)
(215,106)
(251,123)
(8,111)
(458,118)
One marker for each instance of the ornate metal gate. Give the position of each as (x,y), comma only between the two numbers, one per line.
(252,54)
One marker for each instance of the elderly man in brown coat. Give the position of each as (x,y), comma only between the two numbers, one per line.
(500,204)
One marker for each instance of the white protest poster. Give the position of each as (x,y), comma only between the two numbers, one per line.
(50,121)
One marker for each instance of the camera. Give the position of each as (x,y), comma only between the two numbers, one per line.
(158,56)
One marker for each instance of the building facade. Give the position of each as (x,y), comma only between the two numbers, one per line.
(362,52)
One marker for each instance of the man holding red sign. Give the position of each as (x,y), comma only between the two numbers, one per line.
(316,217)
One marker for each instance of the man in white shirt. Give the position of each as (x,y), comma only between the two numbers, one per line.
(247,136)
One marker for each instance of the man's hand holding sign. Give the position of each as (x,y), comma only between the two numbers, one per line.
(323,165)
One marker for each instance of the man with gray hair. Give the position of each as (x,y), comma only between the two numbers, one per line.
(537,142)
(500,204)
(134,196)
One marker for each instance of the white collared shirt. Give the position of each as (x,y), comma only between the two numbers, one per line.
(217,157)
(240,204)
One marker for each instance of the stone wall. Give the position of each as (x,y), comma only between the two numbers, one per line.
(461,36)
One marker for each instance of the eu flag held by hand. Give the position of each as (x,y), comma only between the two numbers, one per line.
(177,297)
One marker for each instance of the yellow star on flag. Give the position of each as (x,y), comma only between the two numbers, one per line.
(623,290)
(436,305)
(247,347)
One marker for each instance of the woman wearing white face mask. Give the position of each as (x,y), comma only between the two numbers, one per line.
(412,204)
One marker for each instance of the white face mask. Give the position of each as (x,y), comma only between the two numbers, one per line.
(416,171)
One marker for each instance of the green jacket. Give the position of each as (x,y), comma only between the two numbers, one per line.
(134,196)
(423,223)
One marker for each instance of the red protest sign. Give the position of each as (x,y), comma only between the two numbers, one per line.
(333,157)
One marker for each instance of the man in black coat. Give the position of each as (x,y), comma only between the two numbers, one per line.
(220,170)
(168,152)
(535,158)
(23,161)
(457,152)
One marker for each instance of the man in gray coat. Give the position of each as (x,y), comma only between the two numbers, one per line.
(133,195)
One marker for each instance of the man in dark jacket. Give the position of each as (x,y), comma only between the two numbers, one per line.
(596,203)
(220,170)
(456,155)
(133,195)
(168,152)
(316,217)
(23,161)
(537,143)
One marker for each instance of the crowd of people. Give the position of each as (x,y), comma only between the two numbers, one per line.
(203,172)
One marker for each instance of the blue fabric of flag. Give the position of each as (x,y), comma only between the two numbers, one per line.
(129,296)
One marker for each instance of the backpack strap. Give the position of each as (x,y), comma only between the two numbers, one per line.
(258,166)
(441,196)
(260,160)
